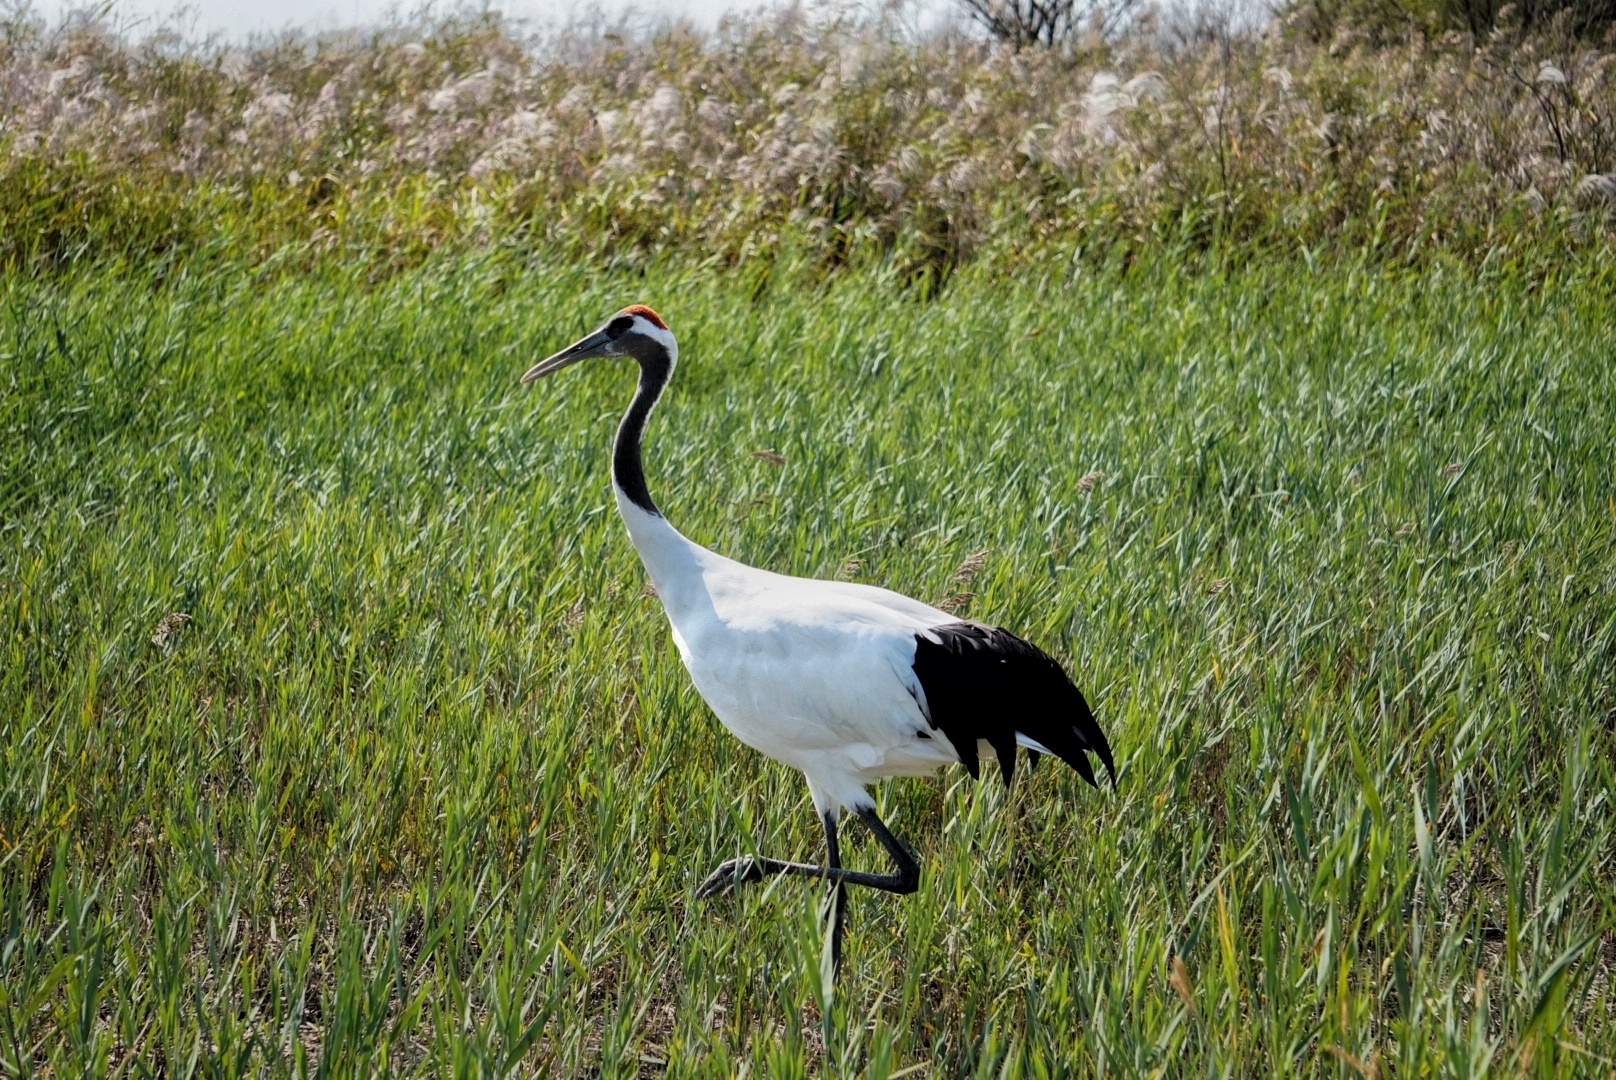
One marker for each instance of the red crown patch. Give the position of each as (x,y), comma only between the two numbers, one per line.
(641,309)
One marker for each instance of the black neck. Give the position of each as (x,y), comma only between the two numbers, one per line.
(655,368)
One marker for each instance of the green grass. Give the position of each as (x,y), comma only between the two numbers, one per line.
(422,787)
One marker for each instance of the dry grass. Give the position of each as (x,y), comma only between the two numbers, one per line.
(834,138)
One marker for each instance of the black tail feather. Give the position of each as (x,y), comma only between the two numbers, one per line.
(982,682)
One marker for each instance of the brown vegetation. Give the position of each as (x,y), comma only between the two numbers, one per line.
(838,139)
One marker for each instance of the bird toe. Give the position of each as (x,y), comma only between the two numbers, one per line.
(732,873)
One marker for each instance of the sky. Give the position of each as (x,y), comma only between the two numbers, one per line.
(241,18)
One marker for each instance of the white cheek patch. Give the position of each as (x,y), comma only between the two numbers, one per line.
(661,335)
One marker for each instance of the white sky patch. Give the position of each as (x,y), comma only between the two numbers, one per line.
(240,19)
(243,18)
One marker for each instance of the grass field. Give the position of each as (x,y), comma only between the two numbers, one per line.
(340,734)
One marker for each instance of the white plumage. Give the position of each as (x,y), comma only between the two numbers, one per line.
(816,674)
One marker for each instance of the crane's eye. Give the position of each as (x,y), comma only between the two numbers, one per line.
(620,326)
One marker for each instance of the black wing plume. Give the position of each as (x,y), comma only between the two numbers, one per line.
(982,682)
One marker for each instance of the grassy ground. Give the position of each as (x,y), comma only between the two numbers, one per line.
(338,732)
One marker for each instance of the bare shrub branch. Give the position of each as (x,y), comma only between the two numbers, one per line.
(1020,23)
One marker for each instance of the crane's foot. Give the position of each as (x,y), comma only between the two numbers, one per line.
(731,874)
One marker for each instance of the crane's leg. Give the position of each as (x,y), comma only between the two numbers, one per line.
(905,880)
(838,893)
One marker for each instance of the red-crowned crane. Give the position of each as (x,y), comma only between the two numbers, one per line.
(848,683)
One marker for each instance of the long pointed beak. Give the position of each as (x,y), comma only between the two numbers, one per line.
(593,345)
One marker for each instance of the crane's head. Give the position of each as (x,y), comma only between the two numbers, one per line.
(636,332)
